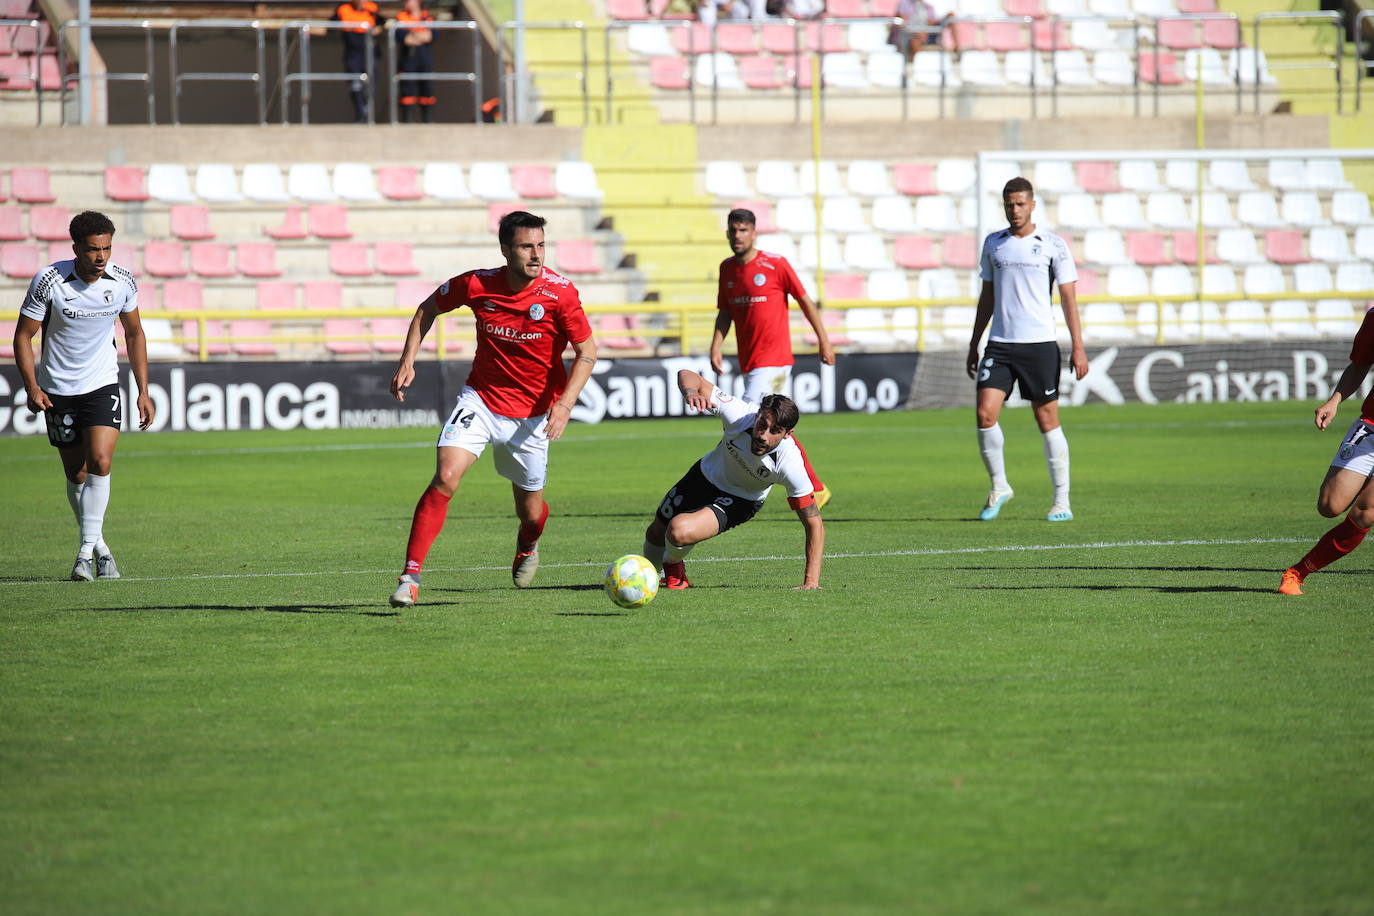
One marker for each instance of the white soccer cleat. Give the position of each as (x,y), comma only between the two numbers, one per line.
(522,570)
(105,567)
(1059,514)
(82,570)
(407,591)
(996,500)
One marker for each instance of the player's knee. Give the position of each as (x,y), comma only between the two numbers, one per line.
(99,465)
(446,481)
(680,532)
(1327,509)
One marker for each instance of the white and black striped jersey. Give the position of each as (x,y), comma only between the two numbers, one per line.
(78,325)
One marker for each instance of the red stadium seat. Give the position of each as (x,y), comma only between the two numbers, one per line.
(626,10)
(164,259)
(252,327)
(396,259)
(760,71)
(211,260)
(915,252)
(125,183)
(780,39)
(50,224)
(499,209)
(49,76)
(1052,36)
(695,39)
(915,179)
(149,296)
(884,8)
(3,196)
(960,251)
(1221,33)
(737,38)
(329,221)
(323,295)
(408,294)
(62,251)
(833,319)
(846,9)
(612,332)
(258,259)
(191,222)
(1284,246)
(966,36)
(389,336)
(1197,6)
(20,261)
(216,335)
(12,224)
(1096,177)
(533,182)
(274,296)
(763,214)
(844,286)
(31,186)
(1167,73)
(1088,284)
(1185,248)
(578,256)
(669,73)
(1033,8)
(1147,249)
(346,327)
(350,259)
(1007,36)
(16,72)
(1178,34)
(292,226)
(183,296)
(399,182)
(826,37)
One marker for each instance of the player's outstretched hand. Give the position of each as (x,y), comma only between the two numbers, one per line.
(697,401)
(1327,412)
(146,411)
(405,374)
(556,421)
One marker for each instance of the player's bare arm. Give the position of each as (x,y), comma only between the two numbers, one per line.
(23,359)
(980,323)
(718,340)
(1078,356)
(696,391)
(810,517)
(1350,381)
(415,335)
(812,312)
(584,361)
(137,343)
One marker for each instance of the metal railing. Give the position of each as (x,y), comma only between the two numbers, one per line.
(1333,19)
(35,77)
(1362,52)
(670,24)
(304,29)
(473,77)
(257,77)
(514,91)
(1197,20)
(85,79)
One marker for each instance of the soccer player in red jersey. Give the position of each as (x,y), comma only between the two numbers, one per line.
(1347,485)
(518,394)
(752,295)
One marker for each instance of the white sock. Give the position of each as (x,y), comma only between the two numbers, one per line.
(653,553)
(1057,457)
(673,553)
(74,498)
(990,443)
(95,496)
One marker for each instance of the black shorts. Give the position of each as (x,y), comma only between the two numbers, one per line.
(695,492)
(71,413)
(1033,367)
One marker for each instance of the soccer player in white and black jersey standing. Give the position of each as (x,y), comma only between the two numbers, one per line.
(1020,265)
(76,379)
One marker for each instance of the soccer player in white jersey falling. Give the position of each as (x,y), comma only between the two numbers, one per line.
(76,380)
(1020,265)
(730,483)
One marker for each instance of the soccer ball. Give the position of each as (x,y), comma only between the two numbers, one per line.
(631,581)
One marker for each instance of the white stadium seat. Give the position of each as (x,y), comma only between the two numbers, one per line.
(717,68)
(1072,68)
(1259,210)
(726,179)
(1055,176)
(776,178)
(1207,62)
(649,39)
(866,251)
(1312,278)
(1026,68)
(867,326)
(843,215)
(1181,174)
(309,181)
(886,69)
(1326,174)
(1364,242)
(1262,279)
(1292,318)
(491,181)
(1092,35)
(933,69)
(954,176)
(1066,7)
(1355,277)
(1077,211)
(1216,210)
(216,183)
(888,286)
(576,180)
(1166,210)
(893,214)
(1289,175)
(956,322)
(1245,61)
(169,183)
(1148,316)
(1351,208)
(1329,244)
(795,213)
(1202,320)
(1106,321)
(1218,279)
(1302,208)
(1125,280)
(354,181)
(780,244)
(1238,246)
(444,181)
(869,37)
(936,214)
(262,182)
(1105,247)
(1172,280)
(1113,68)
(941,283)
(1109,7)
(905,329)
(1246,320)
(1122,210)
(831,185)
(1230,175)
(868,178)
(832,258)
(996,174)
(843,70)
(1336,318)
(1139,175)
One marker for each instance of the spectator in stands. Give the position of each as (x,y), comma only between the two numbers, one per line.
(921,27)
(416,47)
(802,9)
(362,19)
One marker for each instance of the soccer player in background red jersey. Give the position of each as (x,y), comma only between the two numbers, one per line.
(1347,485)
(752,294)
(518,394)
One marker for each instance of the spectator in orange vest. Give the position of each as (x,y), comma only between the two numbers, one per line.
(416,46)
(362,20)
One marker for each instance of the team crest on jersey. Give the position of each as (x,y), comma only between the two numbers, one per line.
(109,296)
(536,311)
(760,279)
(1035,250)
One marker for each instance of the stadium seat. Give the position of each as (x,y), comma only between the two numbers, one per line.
(763,214)
(1167,210)
(275,296)
(844,70)
(867,37)
(831,255)
(1284,246)
(1292,318)
(1216,210)
(444,181)
(1089,283)
(1336,318)
(941,283)
(981,68)
(669,73)
(215,337)
(20,261)
(389,336)
(399,182)
(866,251)
(1238,246)
(693,39)
(329,221)
(1104,246)
(936,214)
(717,69)
(649,39)
(1091,34)
(354,181)
(760,71)
(867,178)
(914,179)
(1364,243)
(1071,68)
(1230,175)
(626,10)
(1326,175)
(1055,176)
(1126,280)
(1312,278)
(242,328)
(1251,66)
(956,322)
(164,259)
(347,336)
(843,215)
(795,213)
(1355,277)
(1288,174)
(125,183)
(775,178)
(1223,34)
(1302,208)
(1330,244)
(258,259)
(488,180)
(1141,175)
(844,287)
(216,183)
(1147,248)
(310,182)
(1263,279)
(1219,279)
(183,296)
(327,295)
(780,244)
(1106,321)
(915,252)
(576,180)
(292,225)
(955,176)
(1351,208)
(830,183)
(1202,320)
(886,69)
(574,256)
(1178,34)
(1172,280)
(1077,211)
(1207,65)
(211,260)
(906,324)
(396,259)
(168,183)
(1025,68)
(12,225)
(190,222)
(350,259)
(867,327)
(894,215)
(934,69)
(410,293)
(1185,248)
(1181,174)
(262,182)
(533,182)
(959,251)
(1246,320)
(726,178)
(1161,68)
(1035,9)
(50,224)
(157,332)
(1121,209)
(1258,210)
(1113,68)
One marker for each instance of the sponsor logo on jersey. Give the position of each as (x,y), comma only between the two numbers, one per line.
(496,330)
(443,288)
(536,312)
(83,313)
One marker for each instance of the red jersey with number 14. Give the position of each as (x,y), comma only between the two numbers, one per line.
(518,370)
(755,294)
(1363,353)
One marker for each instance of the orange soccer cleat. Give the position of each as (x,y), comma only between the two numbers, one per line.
(1291,584)
(675,576)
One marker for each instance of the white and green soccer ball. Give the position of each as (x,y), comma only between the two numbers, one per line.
(631,581)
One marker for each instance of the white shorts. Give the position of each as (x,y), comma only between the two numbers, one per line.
(518,445)
(765,380)
(1356,452)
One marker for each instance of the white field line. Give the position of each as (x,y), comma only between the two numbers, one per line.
(920,552)
(629,437)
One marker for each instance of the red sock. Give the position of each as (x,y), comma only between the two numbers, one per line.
(530,532)
(810,471)
(1333,545)
(430,513)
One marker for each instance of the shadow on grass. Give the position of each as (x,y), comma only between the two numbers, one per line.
(268,608)
(1160,589)
(576,587)
(1220,569)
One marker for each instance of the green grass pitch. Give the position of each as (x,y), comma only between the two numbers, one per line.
(1115,715)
